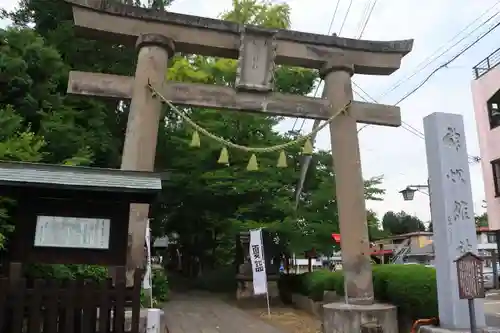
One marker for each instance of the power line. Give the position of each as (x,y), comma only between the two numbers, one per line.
(333,17)
(447,63)
(405,125)
(431,59)
(363,16)
(345,17)
(409,128)
(319,83)
(367,19)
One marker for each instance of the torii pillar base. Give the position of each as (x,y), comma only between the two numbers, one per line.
(350,318)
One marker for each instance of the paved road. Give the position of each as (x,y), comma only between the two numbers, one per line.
(202,313)
(492,309)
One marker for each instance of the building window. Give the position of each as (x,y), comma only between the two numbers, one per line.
(494,113)
(495,166)
(492,238)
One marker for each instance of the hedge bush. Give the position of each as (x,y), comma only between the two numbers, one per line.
(160,292)
(65,272)
(412,288)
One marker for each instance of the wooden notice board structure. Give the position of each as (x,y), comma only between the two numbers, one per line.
(470,282)
(71,215)
(158,35)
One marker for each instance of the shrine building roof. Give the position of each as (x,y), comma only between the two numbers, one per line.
(20,174)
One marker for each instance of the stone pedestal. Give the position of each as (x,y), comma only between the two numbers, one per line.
(349,318)
(434,329)
(245,290)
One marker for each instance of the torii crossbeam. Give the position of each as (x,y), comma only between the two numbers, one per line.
(157,35)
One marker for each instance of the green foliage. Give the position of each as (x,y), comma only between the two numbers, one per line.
(161,291)
(481,220)
(401,223)
(412,288)
(259,13)
(374,227)
(206,204)
(66,272)
(16,142)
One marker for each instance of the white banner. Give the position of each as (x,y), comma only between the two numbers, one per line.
(256,252)
(147,282)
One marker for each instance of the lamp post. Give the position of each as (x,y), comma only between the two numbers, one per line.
(409,192)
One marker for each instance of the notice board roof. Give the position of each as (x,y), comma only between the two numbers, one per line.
(36,175)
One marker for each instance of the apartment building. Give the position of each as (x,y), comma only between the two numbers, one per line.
(486,97)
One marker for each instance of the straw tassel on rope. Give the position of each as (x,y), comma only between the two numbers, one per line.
(224,156)
(195,140)
(308,148)
(253,165)
(282,160)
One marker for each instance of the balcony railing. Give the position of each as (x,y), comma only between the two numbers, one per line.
(487,64)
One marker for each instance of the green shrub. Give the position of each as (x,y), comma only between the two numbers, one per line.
(381,276)
(412,288)
(161,290)
(65,272)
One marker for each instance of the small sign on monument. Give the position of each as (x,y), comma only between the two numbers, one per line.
(470,282)
(470,276)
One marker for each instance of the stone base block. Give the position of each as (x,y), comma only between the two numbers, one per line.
(306,304)
(434,329)
(348,318)
(245,290)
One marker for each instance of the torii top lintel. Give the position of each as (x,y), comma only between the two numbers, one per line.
(104,19)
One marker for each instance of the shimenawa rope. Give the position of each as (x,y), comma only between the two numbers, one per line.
(230,144)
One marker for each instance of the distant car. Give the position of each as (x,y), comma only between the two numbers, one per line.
(488,276)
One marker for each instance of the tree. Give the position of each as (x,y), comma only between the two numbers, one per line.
(401,223)
(16,144)
(375,231)
(204,203)
(212,201)
(481,220)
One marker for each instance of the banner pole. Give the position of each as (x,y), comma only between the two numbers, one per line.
(267,286)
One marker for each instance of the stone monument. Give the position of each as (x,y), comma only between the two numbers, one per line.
(452,213)
(244,275)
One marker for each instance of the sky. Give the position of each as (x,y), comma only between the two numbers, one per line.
(396,153)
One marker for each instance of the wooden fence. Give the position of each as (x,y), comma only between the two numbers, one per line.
(76,306)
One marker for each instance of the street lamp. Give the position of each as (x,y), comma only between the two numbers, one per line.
(409,192)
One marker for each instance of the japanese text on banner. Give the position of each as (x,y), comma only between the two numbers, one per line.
(258,263)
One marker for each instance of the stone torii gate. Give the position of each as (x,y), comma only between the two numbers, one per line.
(157,35)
